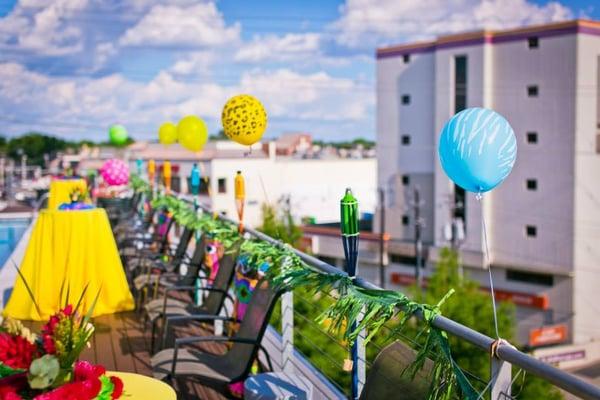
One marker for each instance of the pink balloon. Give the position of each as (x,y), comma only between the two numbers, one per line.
(115,172)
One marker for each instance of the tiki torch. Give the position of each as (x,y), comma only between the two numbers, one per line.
(167,176)
(195,183)
(240,196)
(349,226)
(151,172)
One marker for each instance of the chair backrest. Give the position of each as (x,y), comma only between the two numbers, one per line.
(387,377)
(194,266)
(214,301)
(184,241)
(164,243)
(240,357)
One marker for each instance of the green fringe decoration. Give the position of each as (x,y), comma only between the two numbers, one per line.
(288,272)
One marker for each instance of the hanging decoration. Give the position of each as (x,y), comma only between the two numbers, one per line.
(212,257)
(192,133)
(247,276)
(139,164)
(240,197)
(244,119)
(167,133)
(117,135)
(477,149)
(115,172)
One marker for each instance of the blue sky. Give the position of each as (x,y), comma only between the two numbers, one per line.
(73,67)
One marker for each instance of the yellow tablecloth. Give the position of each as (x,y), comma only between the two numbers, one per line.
(140,387)
(60,190)
(76,247)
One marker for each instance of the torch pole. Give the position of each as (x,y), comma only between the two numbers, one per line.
(349,227)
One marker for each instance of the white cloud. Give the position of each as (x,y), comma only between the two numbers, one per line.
(317,96)
(373,22)
(281,48)
(85,106)
(197,64)
(43,27)
(200,25)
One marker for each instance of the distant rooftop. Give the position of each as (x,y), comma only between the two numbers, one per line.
(212,150)
(493,36)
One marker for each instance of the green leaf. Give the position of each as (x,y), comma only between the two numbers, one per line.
(5,370)
(43,372)
(107,388)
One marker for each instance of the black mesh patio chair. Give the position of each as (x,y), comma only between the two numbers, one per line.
(151,271)
(167,308)
(387,377)
(218,371)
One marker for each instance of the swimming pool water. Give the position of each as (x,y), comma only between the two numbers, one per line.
(11,231)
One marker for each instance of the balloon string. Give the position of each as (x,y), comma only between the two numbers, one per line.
(479,198)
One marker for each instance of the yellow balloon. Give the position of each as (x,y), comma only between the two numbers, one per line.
(167,133)
(192,133)
(244,119)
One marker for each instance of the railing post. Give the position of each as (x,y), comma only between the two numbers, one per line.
(287,332)
(361,367)
(500,379)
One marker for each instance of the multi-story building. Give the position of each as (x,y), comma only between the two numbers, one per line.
(543,222)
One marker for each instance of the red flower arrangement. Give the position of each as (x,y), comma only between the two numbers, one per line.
(45,367)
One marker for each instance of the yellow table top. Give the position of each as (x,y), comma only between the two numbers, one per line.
(77,248)
(60,191)
(140,387)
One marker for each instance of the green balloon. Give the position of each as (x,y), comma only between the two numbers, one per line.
(117,134)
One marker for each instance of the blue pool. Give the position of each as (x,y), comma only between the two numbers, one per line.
(11,231)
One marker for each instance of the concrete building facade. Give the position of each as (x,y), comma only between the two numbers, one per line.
(543,222)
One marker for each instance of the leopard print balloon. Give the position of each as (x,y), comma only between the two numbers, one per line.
(244,119)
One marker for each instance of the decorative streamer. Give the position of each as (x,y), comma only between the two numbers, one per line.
(355,310)
(167,176)
(240,197)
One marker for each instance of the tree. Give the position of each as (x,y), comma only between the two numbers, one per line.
(279,223)
(473,308)
(35,145)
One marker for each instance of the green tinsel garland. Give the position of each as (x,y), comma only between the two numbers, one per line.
(365,309)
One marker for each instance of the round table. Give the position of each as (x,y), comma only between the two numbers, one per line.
(277,385)
(141,387)
(72,250)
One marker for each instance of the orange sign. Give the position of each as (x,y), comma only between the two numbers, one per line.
(547,335)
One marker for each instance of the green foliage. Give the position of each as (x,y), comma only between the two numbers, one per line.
(35,145)
(279,223)
(5,370)
(473,308)
(367,144)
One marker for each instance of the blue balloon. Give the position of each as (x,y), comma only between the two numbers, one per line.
(477,149)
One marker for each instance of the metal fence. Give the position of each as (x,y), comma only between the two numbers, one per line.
(500,365)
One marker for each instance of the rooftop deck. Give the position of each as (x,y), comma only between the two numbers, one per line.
(122,343)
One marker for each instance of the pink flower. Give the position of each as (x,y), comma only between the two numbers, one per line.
(16,351)
(84,390)
(9,392)
(85,370)
(68,310)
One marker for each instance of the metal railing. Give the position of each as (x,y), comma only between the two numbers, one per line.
(500,364)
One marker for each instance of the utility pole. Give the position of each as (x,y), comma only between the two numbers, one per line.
(418,242)
(381,237)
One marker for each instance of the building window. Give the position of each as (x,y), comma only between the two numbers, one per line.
(407,260)
(405,140)
(222,185)
(533,42)
(405,99)
(460,83)
(406,58)
(529,277)
(405,220)
(532,137)
(531,184)
(532,91)
(405,180)
(531,231)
